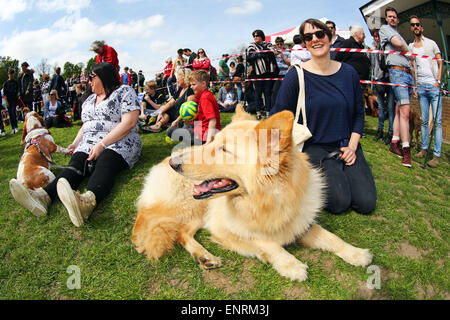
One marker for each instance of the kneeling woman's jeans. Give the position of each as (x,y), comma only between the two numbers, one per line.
(108,164)
(347,186)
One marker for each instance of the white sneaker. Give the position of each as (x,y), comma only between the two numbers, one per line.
(3,133)
(13,131)
(37,201)
(79,206)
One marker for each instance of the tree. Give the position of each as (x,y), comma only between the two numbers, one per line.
(7,63)
(90,64)
(43,67)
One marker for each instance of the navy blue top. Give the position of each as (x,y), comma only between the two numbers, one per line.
(334,104)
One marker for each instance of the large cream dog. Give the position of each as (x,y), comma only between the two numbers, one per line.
(250,188)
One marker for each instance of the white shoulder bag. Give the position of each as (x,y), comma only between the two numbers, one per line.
(300,132)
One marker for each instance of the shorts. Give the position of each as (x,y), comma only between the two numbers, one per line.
(401,94)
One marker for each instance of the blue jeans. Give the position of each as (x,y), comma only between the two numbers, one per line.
(383,91)
(402,94)
(239,90)
(425,98)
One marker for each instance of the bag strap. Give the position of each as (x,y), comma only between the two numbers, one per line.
(301,96)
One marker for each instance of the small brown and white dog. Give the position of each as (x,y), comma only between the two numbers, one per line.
(33,170)
(252,205)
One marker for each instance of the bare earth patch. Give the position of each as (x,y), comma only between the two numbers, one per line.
(298,292)
(379,218)
(409,251)
(219,280)
(427,292)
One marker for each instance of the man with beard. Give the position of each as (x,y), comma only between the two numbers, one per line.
(428,80)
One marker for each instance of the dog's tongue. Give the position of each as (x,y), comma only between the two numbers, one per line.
(208,185)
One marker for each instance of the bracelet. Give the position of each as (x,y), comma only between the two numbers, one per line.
(102,144)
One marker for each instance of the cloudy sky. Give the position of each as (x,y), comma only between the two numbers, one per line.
(144,32)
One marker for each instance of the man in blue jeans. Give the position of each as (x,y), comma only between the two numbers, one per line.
(400,72)
(428,79)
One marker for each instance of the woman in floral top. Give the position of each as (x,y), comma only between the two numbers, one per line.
(107,143)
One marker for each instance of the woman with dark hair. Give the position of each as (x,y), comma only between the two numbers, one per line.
(335,117)
(107,143)
(201,62)
(263,65)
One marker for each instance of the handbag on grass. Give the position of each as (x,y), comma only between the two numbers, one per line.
(300,132)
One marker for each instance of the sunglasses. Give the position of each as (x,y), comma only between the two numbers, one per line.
(257,35)
(320,34)
(201,52)
(92,76)
(415,24)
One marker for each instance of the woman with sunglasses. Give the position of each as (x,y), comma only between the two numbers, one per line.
(107,143)
(54,112)
(201,62)
(335,117)
(263,65)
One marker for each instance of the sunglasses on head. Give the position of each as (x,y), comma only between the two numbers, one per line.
(320,34)
(415,24)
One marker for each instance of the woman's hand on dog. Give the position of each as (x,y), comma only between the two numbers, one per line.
(71,148)
(348,155)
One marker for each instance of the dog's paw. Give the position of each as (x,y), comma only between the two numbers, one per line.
(294,270)
(208,261)
(358,257)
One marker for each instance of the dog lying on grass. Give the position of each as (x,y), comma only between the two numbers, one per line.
(250,188)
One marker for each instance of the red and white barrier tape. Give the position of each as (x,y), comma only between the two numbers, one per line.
(354,50)
(362,81)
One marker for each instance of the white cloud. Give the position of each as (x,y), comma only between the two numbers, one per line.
(162,47)
(247,7)
(10,8)
(128,1)
(57,5)
(69,38)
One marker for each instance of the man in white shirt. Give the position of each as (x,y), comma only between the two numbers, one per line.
(428,81)
(299,53)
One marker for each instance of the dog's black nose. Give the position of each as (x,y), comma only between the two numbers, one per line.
(175,163)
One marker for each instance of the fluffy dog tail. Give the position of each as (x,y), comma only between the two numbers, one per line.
(152,235)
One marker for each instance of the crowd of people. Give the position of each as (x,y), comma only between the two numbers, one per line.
(330,82)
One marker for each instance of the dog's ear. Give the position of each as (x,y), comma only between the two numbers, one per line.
(274,139)
(24,131)
(41,120)
(281,123)
(241,114)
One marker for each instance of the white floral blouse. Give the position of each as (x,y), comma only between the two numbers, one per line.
(99,120)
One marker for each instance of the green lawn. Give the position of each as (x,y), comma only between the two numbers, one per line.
(408,235)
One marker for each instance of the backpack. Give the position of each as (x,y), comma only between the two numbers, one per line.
(382,60)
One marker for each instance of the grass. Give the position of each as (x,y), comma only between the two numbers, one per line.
(408,234)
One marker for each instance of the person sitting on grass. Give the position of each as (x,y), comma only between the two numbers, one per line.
(207,123)
(54,115)
(171,110)
(228,97)
(107,143)
(151,102)
(208,116)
